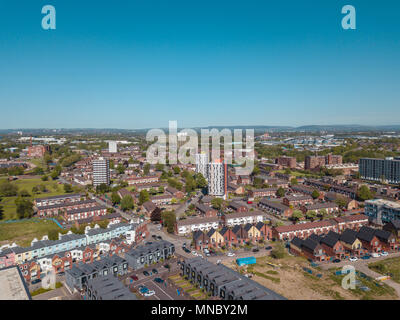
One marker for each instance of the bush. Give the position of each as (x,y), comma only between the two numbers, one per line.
(278,252)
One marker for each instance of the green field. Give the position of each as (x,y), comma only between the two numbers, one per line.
(24,232)
(8,203)
(391,265)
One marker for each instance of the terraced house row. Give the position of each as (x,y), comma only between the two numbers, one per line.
(189,225)
(61,253)
(149,253)
(228,236)
(60,208)
(79,275)
(304,230)
(334,245)
(223,282)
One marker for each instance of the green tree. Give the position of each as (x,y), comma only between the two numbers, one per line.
(143,196)
(190,184)
(120,169)
(24,208)
(280,192)
(127,203)
(160,189)
(176,170)
(115,198)
(169,220)
(311,214)
(297,215)
(146,169)
(159,167)
(24,193)
(257,182)
(1,211)
(217,203)
(278,252)
(56,172)
(7,189)
(38,171)
(364,193)
(294,181)
(200,181)
(102,188)
(67,188)
(315,194)
(341,202)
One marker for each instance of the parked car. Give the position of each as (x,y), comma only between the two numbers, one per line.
(158,280)
(36,281)
(143,289)
(200,255)
(218,261)
(353,259)
(366,257)
(62,273)
(146,273)
(154,236)
(159,237)
(375,255)
(194,253)
(256,250)
(167,266)
(230,254)
(384,254)
(149,293)
(134,277)
(336,260)
(268,248)
(154,271)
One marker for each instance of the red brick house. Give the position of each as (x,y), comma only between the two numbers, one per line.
(265,231)
(229,236)
(87,255)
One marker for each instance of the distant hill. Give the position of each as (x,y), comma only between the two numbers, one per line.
(258,128)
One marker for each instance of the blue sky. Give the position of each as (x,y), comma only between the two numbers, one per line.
(137,64)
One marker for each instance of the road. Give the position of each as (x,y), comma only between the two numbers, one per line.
(362,265)
(183,207)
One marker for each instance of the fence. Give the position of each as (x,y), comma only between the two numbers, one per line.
(33,220)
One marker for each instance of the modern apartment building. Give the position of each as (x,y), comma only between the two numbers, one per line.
(380,169)
(217,178)
(202,164)
(112,147)
(101,171)
(382,211)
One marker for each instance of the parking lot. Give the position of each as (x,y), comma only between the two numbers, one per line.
(164,290)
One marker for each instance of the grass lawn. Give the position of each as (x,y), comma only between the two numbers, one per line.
(8,203)
(391,265)
(24,232)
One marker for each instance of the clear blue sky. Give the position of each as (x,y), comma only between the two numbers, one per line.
(137,64)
